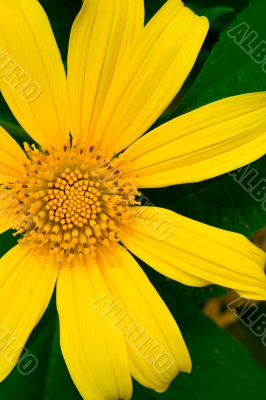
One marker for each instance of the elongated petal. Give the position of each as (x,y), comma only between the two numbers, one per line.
(32,77)
(27,280)
(94,351)
(101,34)
(202,144)
(151,73)
(196,254)
(11,158)
(157,351)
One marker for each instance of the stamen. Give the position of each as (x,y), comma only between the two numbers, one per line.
(71,201)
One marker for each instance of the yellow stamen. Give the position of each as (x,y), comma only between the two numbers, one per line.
(72,201)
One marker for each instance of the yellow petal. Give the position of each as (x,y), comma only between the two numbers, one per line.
(27,280)
(11,158)
(9,215)
(32,77)
(151,73)
(4,224)
(157,351)
(196,254)
(95,353)
(100,35)
(202,144)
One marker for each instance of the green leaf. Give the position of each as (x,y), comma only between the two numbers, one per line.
(7,241)
(58,383)
(29,386)
(210,12)
(201,8)
(222,369)
(9,123)
(235,201)
(61,14)
(235,4)
(151,7)
(229,68)
(50,379)
(228,202)
(223,201)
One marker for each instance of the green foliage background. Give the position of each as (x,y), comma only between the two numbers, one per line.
(222,368)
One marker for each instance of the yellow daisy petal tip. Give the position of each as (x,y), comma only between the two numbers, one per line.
(33,80)
(156,355)
(218,257)
(202,144)
(146,80)
(24,296)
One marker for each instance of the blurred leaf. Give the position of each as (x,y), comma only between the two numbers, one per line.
(50,380)
(222,201)
(228,69)
(9,123)
(222,369)
(61,14)
(151,7)
(235,4)
(58,383)
(30,386)
(7,241)
(210,12)
(226,203)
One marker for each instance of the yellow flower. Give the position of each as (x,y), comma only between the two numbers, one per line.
(75,201)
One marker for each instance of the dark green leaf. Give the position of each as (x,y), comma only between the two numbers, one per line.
(235,201)
(229,68)
(223,201)
(222,369)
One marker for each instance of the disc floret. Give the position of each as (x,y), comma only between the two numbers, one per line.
(71,201)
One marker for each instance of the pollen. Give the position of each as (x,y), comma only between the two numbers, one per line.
(70,202)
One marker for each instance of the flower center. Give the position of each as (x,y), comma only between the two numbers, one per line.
(73,199)
(70,201)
